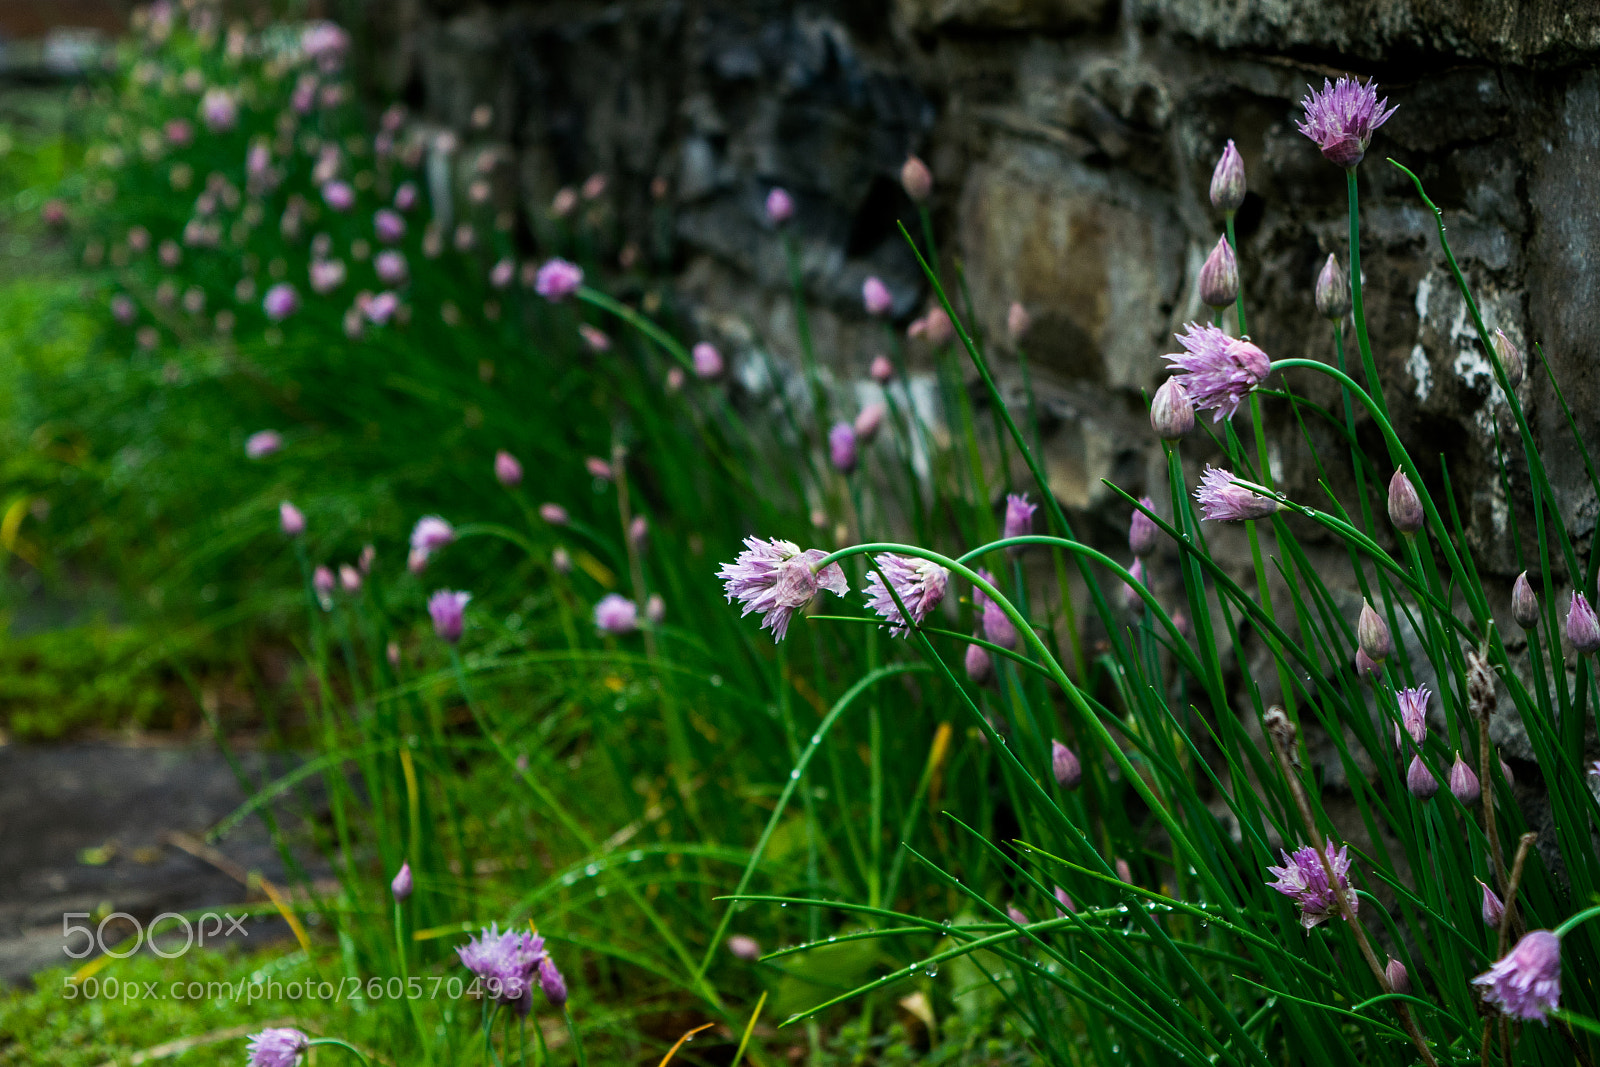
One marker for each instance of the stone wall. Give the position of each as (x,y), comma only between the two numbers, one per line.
(1071,143)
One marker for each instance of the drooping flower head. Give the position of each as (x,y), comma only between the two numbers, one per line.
(919,583)
(1342,117)
(1526,983)
(506,963)
(1304,878)
(616,614)
(262,443)
(278,1046)
(775,579)
(1225,499)
(1218,371)
(558,279)
(448,610)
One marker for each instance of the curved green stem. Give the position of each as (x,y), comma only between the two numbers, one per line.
(595,298)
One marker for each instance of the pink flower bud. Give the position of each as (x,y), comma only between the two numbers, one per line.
(875,297)
(881,370)
(1372,634)
(1405,506)
(780,206)
(916,179)
(1219,276)
(1065,766)
(1463,783)
(744,947)
(292,522)
(707,361)
(869,421)
(598,468)
(1171,411)
(402,885)
(1227,181)
(322,581)
(554,514)
(506,469)
(1524,604)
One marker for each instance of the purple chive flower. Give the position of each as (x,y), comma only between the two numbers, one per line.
(1064,765)
(1583,628)
(262,443)
(292,522)
(402,885)
(1304,878)
(1527,982)
(775,579)
(506,964)
(218,110)
(381,308)
(616,614)
(1142,530)
(1491,910)
(875,297)
(980,665)
(554,514)
(1341,119)
(507,470)
(338,196)
(1019,517)
(1524,603)
(780,206)
(280,302)
(1227,181)
(557,279)
(998,629)
(707,360)
(551,983)
(1463,783)
(744,947)
(1219,276)
(1224,499)
(326,275)
(1171,410)
(1413,713)
(322,581)
(431,533)
(919,583)
(388,225)
(1372,634)
(448,609)
(390,266)
(1218,371)
(842,447)
(869,421)
(1420,781)
(277,1047)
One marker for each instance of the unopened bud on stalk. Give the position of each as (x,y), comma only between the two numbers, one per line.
(1420,781)
(744,947)
(980,665)
(1492,910)
(401,886)
(1065,766)
(1463,783)
(1219,276)
(1018,321)
(1017,915)
(1505,772)
(1227,181)
(1372,634)
(1405,506)
(1142,531)
(1365,668)
(916,179)
(1583,628)
(1171,411)
(881,369)
(1510,357)
(1395,974)
(1332,292)
(1524,604)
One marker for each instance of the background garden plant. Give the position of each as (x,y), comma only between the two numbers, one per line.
(1084,800)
